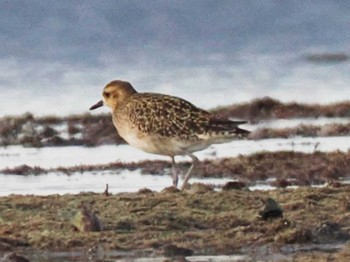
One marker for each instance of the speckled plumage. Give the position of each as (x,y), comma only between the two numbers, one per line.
(165,125)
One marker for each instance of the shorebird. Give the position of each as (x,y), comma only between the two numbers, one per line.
(165,125)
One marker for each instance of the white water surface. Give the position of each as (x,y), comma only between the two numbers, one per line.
(51,157)
(57,183)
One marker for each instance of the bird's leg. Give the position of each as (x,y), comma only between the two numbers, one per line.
(189,172)
(175,171)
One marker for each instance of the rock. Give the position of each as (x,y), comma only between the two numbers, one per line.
(13,257)
(170,189)
(86,221)
(175,251)
(271,210)
(145,191)
(234,185)
(328,232)
(282,183)
(199,188)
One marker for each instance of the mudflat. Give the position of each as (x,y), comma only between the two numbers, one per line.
(313,223)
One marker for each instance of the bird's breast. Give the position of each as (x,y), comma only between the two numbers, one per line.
(155,144)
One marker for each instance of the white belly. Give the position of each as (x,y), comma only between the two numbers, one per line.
(159,145)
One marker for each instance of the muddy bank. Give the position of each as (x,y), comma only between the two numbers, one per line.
(269,108)
(199,221)
(302,130)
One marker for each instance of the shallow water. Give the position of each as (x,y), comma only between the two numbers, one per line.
(130,181)
(261,253)
(125,181)
(53,183)
(49,157)
(115,256)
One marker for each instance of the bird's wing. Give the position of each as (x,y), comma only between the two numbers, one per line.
(175,117)
(168,116)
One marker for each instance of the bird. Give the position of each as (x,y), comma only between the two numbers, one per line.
(166,125)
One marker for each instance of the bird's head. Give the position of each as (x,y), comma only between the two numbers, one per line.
(115,93)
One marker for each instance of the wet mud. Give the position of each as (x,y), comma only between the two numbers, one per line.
(199,221)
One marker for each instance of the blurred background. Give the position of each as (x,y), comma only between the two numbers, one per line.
(56,56)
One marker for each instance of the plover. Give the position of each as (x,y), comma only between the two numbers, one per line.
(165,125)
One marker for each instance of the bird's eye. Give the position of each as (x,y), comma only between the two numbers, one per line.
(106,94)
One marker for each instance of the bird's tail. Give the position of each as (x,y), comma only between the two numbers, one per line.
(221,131)
(228,126)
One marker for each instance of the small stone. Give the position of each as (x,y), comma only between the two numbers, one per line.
(234,185)
(271,210)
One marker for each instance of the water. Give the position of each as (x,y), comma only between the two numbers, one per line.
(206,87)
(115,256)
(130,181)
(125,181)
(261,253)
(52,157)
(212,54)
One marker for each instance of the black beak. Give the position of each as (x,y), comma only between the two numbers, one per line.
(97,105)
